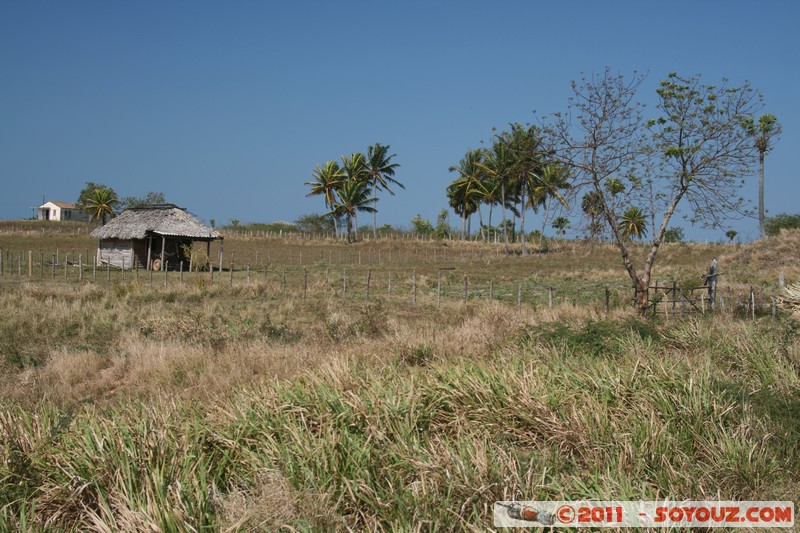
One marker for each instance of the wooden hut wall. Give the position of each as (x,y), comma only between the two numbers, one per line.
(114,252)
(140,253)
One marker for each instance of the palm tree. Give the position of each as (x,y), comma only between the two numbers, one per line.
(465,191)
(381,174)
(355,170)
(561,224)
(633,223)
(352,196)
(547,181)
(100,203)
(592,206)
(524,144)
(497,167)
(327,179)
(763,132)
(490,194)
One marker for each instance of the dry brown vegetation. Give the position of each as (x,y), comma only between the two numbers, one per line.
(126,407)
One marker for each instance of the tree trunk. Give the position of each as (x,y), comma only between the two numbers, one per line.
(642,296)
(463,221)
(375,213)
(335,227)
(349,228)
(522,224)
(503,204)
(761,193)
(545,217)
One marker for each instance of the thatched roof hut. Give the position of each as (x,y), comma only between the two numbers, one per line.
(150,236)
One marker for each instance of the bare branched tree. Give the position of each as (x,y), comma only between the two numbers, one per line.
(696,151)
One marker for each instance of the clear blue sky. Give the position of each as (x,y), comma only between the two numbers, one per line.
(227,107)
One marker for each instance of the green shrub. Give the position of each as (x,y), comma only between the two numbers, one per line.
(774,225)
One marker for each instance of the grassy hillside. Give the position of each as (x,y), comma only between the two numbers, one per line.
(209,407)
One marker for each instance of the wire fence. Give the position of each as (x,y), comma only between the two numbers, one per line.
(431,284)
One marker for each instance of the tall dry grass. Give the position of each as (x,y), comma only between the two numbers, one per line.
(214,408)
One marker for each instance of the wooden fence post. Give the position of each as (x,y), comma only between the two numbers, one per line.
(607,299)
(711,280)
(414,286)
(550,297)
(519,295)
(369,278)
(439,289)
(674,295)
(491,290)
(389,287)
(305,283)
(165,266)
(180,277)
(30,263)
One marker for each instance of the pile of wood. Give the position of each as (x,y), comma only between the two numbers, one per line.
(789,297)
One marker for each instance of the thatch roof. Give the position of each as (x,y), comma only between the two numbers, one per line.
(162,219)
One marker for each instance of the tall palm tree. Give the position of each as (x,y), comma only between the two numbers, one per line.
(497,166)
(524,144)
(763,132)
(100,204)
(633,223)
(327,179)
(547,181)
(352,196)
(465,191)
(381,174)
(490,194)
(355,170)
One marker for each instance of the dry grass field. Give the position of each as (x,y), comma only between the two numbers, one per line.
(248,403)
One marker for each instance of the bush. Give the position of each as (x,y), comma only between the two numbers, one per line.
(774,225)
(674,235)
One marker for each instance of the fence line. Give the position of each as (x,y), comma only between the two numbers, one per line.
(357,278)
